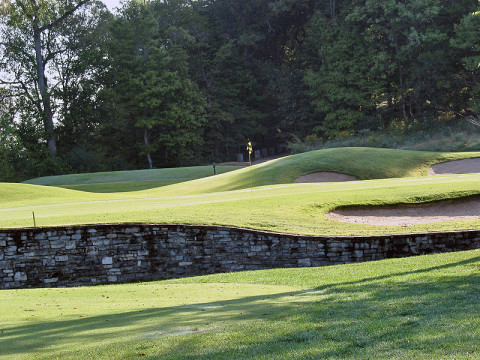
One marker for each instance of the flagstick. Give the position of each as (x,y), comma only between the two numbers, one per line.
(251,180)
(249,148)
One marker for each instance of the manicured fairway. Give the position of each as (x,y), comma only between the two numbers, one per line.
(120,181)
(364,163)
(423,307)
(278,205)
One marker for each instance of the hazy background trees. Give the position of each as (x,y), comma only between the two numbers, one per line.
(179,82)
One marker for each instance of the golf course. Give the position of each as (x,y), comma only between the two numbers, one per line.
(423,306)
(262,197)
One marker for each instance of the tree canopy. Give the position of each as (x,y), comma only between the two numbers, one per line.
(179,82)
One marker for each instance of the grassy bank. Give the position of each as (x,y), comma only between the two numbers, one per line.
(123,181)
(278,205)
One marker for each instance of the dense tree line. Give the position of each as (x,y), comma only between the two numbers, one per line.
(178,82)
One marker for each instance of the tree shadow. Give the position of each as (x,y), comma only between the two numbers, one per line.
(371,317)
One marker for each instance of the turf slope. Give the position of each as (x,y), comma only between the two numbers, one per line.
(273,203)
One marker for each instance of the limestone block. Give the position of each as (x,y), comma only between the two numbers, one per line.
(48,262)
(358,253)
(304,262)
(20,276)
(185,263)
(107,260)
(70,245)
(10,249)
(57,244)
(50,281)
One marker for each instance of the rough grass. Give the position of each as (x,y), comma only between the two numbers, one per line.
(293,208)
(423,307)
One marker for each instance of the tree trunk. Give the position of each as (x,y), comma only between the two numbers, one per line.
(42,86)
(147,152)
(332,9)
(404,108)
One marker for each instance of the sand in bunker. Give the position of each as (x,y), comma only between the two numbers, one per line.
(465,166)
(411,214)
(324,176)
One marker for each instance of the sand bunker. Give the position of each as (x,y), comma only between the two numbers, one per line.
(411,214)
(465,166)
(324,176)
(420,214)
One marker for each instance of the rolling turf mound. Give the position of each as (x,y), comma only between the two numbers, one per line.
(261,197)
(362,163)
(120,181)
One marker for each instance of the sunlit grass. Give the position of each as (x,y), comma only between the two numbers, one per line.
(421,307)
(123,181)
(293,208)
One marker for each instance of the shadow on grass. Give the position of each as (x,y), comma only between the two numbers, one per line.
(429,315)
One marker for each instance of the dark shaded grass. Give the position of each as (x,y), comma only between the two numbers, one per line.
(425,313)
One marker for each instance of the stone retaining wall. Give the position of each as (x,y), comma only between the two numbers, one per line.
(94,254)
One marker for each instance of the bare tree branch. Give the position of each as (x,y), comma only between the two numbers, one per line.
(63,17)
(51,55)
(3,82)
(30,97)
(472,119)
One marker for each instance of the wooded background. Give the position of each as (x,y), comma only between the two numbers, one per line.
(180,82)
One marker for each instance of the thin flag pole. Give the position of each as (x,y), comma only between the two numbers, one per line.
(250,149)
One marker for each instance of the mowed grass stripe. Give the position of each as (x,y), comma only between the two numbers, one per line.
(294,208)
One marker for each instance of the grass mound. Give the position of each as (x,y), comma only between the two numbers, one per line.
(364,163)
(423,307)
(122,181)
(273,203)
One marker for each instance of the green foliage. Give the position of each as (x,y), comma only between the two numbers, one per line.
(467,42)
(152,86)
(343,90)
(166,83)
